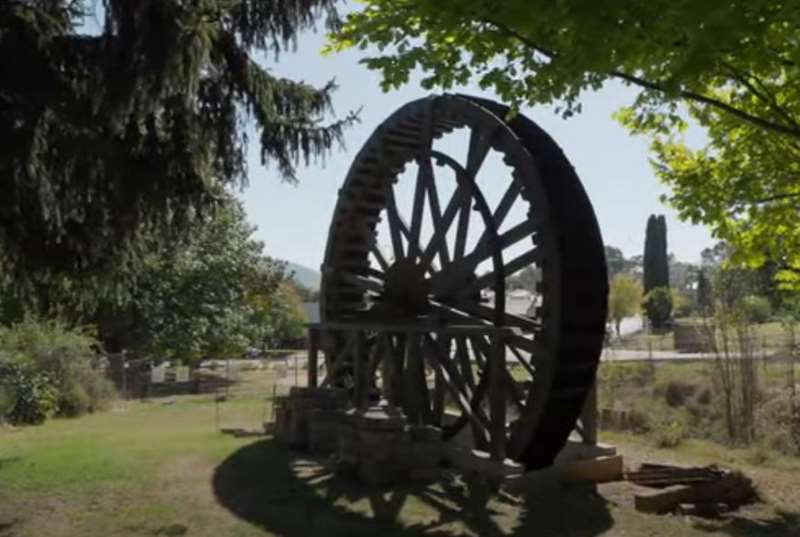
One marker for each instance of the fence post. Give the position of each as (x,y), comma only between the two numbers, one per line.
(313,351)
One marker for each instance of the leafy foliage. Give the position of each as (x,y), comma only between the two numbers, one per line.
(624,299)
(615,260)
(731,68)
(32,395)
(215,295)
(755,309)
(49,368)
(704,293)
(658,307)
(135,131)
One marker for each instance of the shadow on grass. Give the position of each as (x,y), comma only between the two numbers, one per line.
(785,524)
(295,497)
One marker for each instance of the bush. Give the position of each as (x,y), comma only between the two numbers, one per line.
(668,429)
(74,401)
(33,397)
(6,401)
(756,309)
(677,392)
(658,307)
(55,366)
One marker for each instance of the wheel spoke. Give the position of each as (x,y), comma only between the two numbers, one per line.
(458,389)
(512,267)
(522,360)
(417,212)
(436,214)
(444,279)
(462,354)
(465,208)
(396,224)
(439,239)
(503,207)
(376,253)
(479,146)
(473,309)
(514,391)
(362,282)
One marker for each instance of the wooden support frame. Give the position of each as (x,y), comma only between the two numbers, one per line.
(406,349)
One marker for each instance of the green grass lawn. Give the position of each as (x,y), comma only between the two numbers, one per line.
(153,469)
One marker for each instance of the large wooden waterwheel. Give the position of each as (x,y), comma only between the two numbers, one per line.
(411,273)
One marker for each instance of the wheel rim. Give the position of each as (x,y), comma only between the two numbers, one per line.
(437,273)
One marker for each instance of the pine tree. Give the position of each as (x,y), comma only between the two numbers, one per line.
(139,128)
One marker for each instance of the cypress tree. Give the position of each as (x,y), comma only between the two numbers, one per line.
(139,128)
(661,255)
(656,260)
(703,293)
(649,254)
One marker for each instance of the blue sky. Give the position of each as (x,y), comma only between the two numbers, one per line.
(293,220)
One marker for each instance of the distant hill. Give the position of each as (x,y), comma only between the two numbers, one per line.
(305,276)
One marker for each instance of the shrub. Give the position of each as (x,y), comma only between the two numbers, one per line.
(668,429)
(756,309)
(677,392)
(33,397)
(6,400)
(54,360)
(658,307)
(73,401)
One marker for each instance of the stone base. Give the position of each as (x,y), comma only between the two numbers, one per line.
(294,412)
(378,447)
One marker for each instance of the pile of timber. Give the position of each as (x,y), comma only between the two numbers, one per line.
(706,490)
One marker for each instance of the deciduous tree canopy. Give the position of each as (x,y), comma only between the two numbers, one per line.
(731,67)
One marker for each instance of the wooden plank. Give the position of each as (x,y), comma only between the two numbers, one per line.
(436,212)
(462,354)
(313,356)
(513,391)
(497,398)
(502,210)
(439,237)
(439,388)
(522,361)
(509,269)
(456,388)
(376,253)
(333,367)
(411,396)
(443,279)
(417,214)
(475,309)
(462,228)
(479,145)
(395,223)
(359,371)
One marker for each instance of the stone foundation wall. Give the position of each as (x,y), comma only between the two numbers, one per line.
(293,414)
(376,445)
